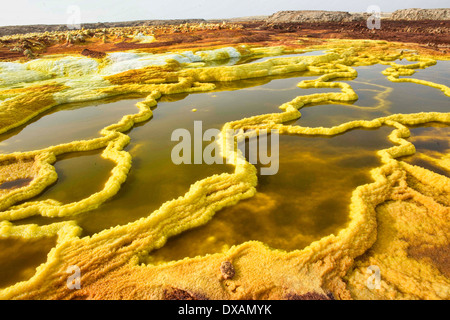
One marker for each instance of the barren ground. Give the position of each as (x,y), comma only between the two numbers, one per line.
(429,35)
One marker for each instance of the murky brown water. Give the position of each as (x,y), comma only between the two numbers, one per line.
(74,170)
(66,123)
(306,200)
(19,258)
(432,142)
(378,97)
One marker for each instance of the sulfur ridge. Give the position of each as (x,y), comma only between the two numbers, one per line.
(111,260)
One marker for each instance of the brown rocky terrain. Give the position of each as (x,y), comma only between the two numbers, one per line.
(421,14)
(12,30)
(282,28)
(320,16)
(431,33)
(312,16)
(298,16)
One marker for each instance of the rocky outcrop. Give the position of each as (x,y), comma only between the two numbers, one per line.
(10,30)
(421,14)
(308,16)
(315,16)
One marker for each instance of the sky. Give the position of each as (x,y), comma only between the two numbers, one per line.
(24,12)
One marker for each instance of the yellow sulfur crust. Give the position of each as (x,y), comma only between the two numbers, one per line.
(111,261)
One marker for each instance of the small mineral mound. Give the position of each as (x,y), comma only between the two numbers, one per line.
(421,14)
(313,16)
(310,296)
(93,54)
(227,270)
(178,294)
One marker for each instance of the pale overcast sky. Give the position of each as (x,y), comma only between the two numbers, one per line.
(20,12)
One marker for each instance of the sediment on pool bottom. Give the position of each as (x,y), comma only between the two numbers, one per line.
(432,147)
(66,123)
(80,174)
(19,258)
(14,184)
(154,178)
(306,200)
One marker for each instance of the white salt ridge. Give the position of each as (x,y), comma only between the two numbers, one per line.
(65,67)
(82,89)
(11,66)
(73,67)
(12,73)
(123,61)
(115,57)
(143,38)
(219,54)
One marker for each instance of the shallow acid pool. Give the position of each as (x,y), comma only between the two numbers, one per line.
(19,258)
(377,97)
(66,123)
(432,143)
(306,200)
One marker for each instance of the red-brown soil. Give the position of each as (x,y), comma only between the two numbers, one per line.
(431,35)
(429,32)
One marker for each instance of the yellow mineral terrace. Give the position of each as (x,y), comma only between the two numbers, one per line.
(399,222)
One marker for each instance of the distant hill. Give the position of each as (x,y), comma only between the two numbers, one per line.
(421,14)
(10,30)
(308,16)
(300,16)
(311,16)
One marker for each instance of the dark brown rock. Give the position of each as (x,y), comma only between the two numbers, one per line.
(309,296)
(178,294)
(93,54)
(227,270)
